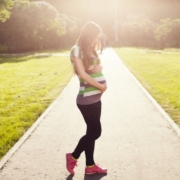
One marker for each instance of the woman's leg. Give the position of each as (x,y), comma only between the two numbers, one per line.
(91,114)
(89,153)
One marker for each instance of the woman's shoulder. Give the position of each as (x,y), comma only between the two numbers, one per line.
(75,48)
(76,51)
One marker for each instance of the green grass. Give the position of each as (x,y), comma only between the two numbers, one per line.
(64,50)
(159,72)
(27,86)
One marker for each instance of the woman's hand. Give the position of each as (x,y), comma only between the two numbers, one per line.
(103,87)
(97,69)
(82,74)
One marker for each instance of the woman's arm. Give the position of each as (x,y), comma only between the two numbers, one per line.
(82,74)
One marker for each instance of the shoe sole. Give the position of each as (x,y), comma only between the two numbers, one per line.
(90,173)
(96,173)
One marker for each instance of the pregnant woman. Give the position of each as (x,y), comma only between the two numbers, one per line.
(86,64)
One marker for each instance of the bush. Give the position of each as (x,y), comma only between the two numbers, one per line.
(34,26)
(3,49)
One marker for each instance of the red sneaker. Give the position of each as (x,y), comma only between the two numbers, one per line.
(70,163)
(95,169)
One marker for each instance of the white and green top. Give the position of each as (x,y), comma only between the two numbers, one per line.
(88,94)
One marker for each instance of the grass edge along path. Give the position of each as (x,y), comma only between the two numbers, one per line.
(28,86)
(158,72)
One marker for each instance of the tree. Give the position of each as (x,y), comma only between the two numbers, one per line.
(23,32)
(162,31)
(72,31)
(137,30)
(5,7)
(174,35)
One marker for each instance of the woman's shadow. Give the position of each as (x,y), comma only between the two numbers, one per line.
(88,177)
(94,176)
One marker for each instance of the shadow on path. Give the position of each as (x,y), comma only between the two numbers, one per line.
(70,177)
(94,176)
(88,177)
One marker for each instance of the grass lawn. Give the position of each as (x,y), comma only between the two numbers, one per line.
(159,72)
(27,86)
(62,50)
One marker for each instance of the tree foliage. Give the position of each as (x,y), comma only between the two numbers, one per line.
(174,35)
(140,22)
(33,26)
(139,30)
(39,25)
(5,7)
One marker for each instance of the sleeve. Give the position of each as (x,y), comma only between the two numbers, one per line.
(76,52)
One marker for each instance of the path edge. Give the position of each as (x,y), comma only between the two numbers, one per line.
(28,133)
(155,103)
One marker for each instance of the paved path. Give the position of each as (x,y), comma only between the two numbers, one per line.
(137,142)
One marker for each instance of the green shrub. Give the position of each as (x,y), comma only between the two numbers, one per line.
(3,49)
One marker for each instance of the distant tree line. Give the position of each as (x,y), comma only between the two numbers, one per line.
(138,30)
(35,26)
(38,25)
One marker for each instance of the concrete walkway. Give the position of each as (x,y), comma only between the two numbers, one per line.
(138,142)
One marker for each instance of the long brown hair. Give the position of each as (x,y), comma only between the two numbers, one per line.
(89,33)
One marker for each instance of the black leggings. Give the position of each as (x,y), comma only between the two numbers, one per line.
(91,114)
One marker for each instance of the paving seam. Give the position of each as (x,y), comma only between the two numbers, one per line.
(28,133)
(155,103)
